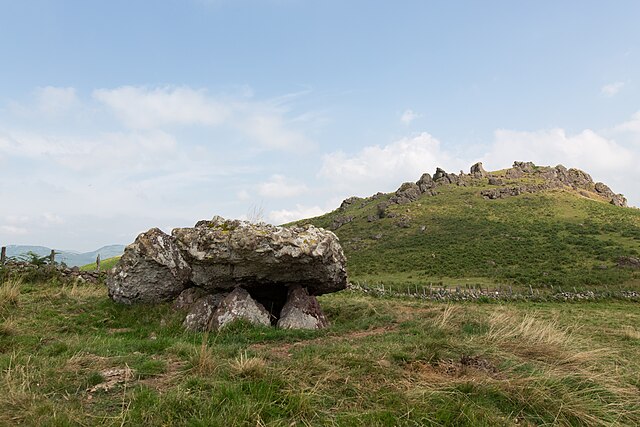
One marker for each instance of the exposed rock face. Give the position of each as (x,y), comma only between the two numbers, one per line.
(340,221)
(224,254)
(629,261)
(201,312)
(302,311)
(407,193)
(550,178)
(221,270)
(477,171)
(187,298)
(239,305)
(151,270)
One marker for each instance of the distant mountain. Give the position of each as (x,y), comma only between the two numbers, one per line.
(71,258)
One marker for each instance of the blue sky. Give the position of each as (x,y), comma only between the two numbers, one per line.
(123,115)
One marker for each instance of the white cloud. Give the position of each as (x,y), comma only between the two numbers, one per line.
(586,150)
(377,168)
(279,187)
(408,116)
(271,131)
(611,89)
(243,195)
(145,108)
(632,125)
(55,100)
(300,212)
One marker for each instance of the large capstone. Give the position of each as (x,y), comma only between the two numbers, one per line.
(225,254)
(225,270)
(151,270)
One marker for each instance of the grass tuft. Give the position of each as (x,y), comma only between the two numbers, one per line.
(249,367)
(9,293)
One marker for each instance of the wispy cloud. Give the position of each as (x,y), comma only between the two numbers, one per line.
(611,89)
(408,116)
(278,187)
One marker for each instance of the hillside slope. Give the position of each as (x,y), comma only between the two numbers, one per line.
(526,225)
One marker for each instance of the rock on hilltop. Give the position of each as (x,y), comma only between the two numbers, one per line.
(521,178)
(222,269)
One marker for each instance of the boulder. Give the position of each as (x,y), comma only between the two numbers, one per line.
(238,305)
(301,311)
(187,298)
(619,200)
(201,312)
(425,183)
(407,193)
(151,270)
(225,254)
(477,171)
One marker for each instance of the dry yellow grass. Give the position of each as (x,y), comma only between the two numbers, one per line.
(251,367)
(9,293)
(203,360)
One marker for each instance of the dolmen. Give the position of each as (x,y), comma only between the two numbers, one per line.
(224,270)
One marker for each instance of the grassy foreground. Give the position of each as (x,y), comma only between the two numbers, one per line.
(69,356)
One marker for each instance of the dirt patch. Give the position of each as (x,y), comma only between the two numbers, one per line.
(284,350)
(163,381)
(467,367)
(112,377)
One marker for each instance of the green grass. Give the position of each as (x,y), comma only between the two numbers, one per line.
(105,264)
(554,238)
(70,356)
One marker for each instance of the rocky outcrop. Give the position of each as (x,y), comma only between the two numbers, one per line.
(550,178)
(340,221)
(210,269)
(151,270)
(302,311)
(477,171)
(629,262)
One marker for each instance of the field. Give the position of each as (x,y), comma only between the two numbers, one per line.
(69,356)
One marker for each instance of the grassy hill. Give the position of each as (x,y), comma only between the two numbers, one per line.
(559,236)
(105,264)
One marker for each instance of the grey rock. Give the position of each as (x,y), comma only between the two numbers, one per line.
(619,200)
(302,311)
(151,270)
(225,254)
(440,174)
(340,221)
(407,193)
(201,312)
(187,298)
(348,202)
(495,181)
(425,183)
(477,171)
(629,261)
(239,305)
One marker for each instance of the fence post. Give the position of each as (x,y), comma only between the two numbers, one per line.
(98,263)
(52,257)
(3,255)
